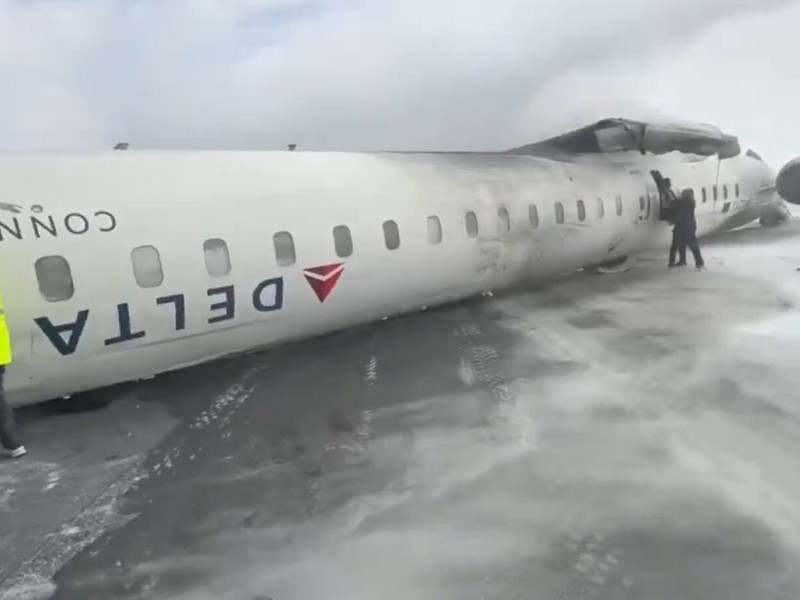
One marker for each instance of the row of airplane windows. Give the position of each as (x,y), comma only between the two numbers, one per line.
(715,192)
(55,281)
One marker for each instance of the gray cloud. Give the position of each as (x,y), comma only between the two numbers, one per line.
(353,74)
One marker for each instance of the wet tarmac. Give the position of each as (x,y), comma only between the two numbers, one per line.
(607,437)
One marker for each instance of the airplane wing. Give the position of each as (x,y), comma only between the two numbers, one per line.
(615,135)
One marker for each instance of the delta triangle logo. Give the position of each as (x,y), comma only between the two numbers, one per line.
(323,279)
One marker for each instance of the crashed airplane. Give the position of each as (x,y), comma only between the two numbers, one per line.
(121,265)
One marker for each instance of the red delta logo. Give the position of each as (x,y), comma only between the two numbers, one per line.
(323,279)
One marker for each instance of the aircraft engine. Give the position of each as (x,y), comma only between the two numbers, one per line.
(788,181)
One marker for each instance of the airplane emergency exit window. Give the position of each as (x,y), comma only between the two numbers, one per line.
(434,230)
(218,260)
(716,192)
(705,195)
(641,202)
(503,221)
(737,190)
(601,210)
(533,216)
(391,235)
(147,266)
(284,248)
(725,191)
(559,213)
(472,224)
(581,211)
(55,278)
(342,241)
(618,202)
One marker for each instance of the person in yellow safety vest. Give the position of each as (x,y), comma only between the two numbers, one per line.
(9,434)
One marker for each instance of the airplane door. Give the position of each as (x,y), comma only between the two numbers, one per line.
(648,205)
(653,203)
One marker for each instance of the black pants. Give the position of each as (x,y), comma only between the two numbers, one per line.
(9,434)
(675,247)
(681,239)
(689,238)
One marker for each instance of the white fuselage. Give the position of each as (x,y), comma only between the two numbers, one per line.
(100,326)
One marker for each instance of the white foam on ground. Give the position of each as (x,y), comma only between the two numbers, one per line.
(547,476)
(35,574)
(40,590)
(371,370)
(348,550)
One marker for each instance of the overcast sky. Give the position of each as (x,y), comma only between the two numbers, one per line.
(389,74)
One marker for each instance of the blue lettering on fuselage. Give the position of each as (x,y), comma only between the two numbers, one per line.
(227,305)
(125,333)
(267,296)
(180,309)
(54,332)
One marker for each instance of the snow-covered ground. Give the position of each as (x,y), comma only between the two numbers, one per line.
(620,436)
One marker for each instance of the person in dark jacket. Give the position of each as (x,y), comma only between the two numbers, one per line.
(670,212)
(668,194)
(686,229)
(676,245)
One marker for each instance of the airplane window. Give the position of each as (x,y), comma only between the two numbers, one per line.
(716,192)
(434,230)
(147,266)
(533,216)
(218,261)
(618,202)
(737,190)
(472,224)
(559,212)
(581,211)
(284,248)
(391,235)
(705,195)
(725,191)
(342,241)
(601,210)
(55,278)
(503,221)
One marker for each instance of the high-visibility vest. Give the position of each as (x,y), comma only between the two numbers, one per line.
(5,338)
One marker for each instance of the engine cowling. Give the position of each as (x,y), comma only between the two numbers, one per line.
(774,215)
(788,181)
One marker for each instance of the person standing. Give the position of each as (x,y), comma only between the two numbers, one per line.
(670,205)
(672,218)
(686,226)
(9,433)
